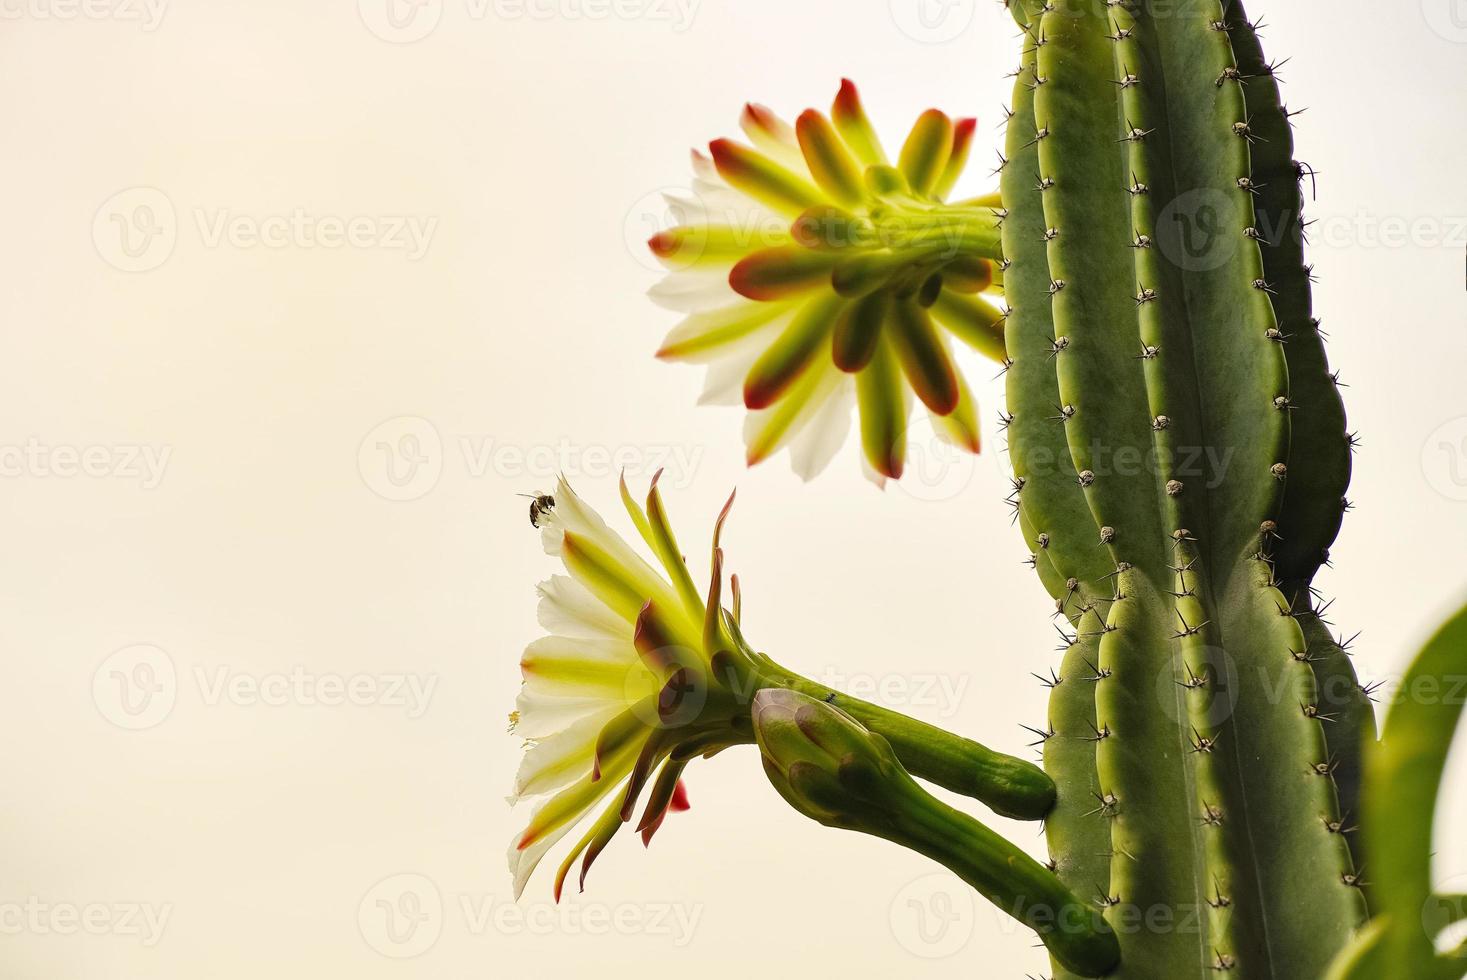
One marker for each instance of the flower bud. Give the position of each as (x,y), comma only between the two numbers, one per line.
(826,764)
(830,767)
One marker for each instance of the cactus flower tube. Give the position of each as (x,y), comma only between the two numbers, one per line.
(643,671)
(815,272)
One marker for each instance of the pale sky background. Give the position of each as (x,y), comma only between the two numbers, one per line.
(236,528)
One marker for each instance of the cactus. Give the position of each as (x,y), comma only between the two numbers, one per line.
(1181,457)
(1180,460)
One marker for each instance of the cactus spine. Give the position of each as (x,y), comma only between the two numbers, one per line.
(1180,455)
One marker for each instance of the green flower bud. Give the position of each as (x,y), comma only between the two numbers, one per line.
(831,768)
(825,763)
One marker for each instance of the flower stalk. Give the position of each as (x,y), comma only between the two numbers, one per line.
(831,768)
(1008,786)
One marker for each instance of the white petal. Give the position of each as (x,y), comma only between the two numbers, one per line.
(753,317)
(559,759)
(776,139)
(578,518)
(724,382)
(825,433)
(522,863)
(704,169)
(592,654)
(583,796)
(805,398)
(723,206)
(581,519)
(563,667)
(692,290)
(871,473)
(714,202)
(568,608)
(541,717)
(688,207)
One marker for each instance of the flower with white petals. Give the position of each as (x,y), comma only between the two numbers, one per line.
(635,679)
(815,274)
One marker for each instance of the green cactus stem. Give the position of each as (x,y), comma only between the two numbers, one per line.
(1159,413)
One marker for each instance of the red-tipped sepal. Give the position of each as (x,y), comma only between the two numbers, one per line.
(851,122)
(923,358)
(927,150)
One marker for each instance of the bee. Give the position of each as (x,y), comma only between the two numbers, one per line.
(541,504)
